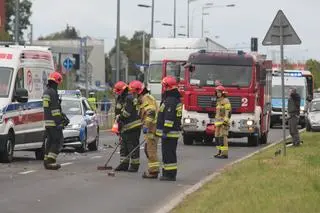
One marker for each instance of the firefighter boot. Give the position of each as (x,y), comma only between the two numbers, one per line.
(133,168)
(224,148)
(50,164)
(219,143)
(150,175)
(122,167)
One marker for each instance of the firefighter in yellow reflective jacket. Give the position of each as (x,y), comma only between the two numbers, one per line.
(92,101)
(148,110)
(168,127)
(222,122)
(130,130)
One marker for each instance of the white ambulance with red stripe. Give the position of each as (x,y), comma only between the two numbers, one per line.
(24,72)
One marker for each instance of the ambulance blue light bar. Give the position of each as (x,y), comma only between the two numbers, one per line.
(292,74)
(75,93)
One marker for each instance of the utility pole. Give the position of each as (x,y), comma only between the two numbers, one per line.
(31,33)
(86,66)
(118,43)
(16,26)
(143,47)
(152,18)
(174,18)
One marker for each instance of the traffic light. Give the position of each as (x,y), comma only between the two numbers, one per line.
(76,65)
(254,44)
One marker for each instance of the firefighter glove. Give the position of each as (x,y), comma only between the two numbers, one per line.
(145,130)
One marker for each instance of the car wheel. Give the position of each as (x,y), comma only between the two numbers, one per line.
(6,156)
(208,140)
(95,144)
(39,153)
(308,128)
(83,147)
(187,139)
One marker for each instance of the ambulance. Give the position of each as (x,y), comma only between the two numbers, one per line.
(24,72)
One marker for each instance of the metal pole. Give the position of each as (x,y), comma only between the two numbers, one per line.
(188,22)
(143,47)
(283,91)
(152,18)
(16,26)
(86,66)
(31,33)
(118,42)
(174,18)
(202,25)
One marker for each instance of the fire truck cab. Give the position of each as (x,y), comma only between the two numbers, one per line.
(247,79)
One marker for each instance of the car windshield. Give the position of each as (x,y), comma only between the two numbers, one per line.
(71,107)
(209,75)
(315,106)
(277,92)
(5,81)
(155,73)
(173,67)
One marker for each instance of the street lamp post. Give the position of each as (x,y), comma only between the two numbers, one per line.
(207,6)
(16,25)
(118,43)
(188,21)
(152,15)
(174,18)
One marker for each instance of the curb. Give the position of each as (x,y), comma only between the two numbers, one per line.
(178,199)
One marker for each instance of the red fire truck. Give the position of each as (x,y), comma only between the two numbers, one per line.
(247,78)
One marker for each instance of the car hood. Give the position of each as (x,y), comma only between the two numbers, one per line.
(315,116)
(75,119)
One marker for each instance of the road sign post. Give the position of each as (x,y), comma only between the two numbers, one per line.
(281,33)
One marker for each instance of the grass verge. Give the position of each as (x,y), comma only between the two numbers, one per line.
(264,184)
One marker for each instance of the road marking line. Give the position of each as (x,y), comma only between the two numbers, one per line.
(175,201)
(66,164)
(27,172)
(96,157)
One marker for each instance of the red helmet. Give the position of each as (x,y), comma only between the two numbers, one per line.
(169,83)
(55,77)
(222,89)
(136,87)
(119,87)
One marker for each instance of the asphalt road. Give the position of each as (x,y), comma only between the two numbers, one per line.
(79,188)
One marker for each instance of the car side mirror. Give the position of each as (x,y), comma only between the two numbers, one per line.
(21,95)
(90,113)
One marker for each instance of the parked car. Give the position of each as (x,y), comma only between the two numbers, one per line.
(83,131)
(313,115)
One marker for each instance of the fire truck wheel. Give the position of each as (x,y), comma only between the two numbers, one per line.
(253,140)
(208,140)
(187,139)
(264,138)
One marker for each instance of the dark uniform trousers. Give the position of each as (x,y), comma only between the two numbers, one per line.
(130,140)
(53,143)
(169,157)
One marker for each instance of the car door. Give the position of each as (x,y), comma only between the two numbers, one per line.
(89,121)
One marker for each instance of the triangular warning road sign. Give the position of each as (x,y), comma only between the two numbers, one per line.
(272,37)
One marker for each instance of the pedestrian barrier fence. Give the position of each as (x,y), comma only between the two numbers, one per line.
(105,114)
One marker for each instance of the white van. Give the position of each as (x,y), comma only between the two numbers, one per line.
(24,72)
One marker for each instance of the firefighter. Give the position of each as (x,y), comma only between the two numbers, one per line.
(54,121)
(92,101)
(148,110)
(129,127)
(222,122)
(168,127)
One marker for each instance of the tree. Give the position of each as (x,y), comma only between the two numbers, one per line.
(133,49)
(24,16)
(68,33)
(314,67)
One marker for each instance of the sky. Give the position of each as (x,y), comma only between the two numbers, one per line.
(230,26)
